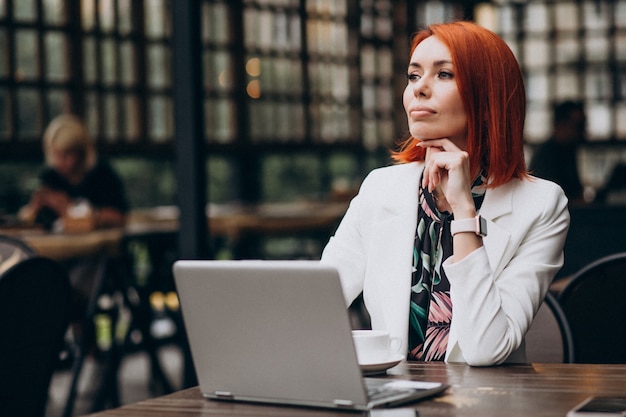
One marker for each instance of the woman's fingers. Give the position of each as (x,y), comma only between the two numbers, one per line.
(446,165)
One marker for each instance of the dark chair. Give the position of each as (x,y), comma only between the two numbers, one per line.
(12,251)
(593,302)
(34,315)
(549,339)
(143,266)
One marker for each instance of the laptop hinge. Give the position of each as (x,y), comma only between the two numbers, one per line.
(224,395)
(344,403)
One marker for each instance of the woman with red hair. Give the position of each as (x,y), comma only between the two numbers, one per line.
(455,245)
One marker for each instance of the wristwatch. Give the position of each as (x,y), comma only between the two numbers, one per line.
(476,225)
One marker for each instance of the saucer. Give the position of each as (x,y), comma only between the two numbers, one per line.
(378,368)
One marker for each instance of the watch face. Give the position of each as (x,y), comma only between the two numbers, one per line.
(482,226)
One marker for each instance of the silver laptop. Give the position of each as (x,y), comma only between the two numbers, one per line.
(279,332)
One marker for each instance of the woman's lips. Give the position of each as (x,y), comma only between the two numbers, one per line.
(421,112)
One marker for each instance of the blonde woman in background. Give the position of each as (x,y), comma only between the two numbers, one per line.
(74,173)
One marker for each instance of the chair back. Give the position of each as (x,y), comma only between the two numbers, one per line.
(593,302)
(549,339)
(12,251)
(34,314)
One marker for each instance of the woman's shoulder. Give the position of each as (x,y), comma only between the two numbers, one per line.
(533,184)
(536,192)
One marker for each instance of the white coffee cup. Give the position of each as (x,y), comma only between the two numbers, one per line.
(375,346)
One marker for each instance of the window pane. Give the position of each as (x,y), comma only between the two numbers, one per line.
(294,36)
(368,61)
(340,82)
(27,54)
(537,86)
(384,63)
(596,14)
(159,119)
(537,126)
(620,46)
(3,8)
(156,22)
(92,113)
(506,17)
(54,11)
(566,16)
(4,57)
(597,49)
(536,52)
(599,121)
(125,13)
(25,10)
(89,60)
(281,31)
(536,18)
(296,120)
(567,50)
(597,84)
(88,14)
(286,176)
(567,84)
(56,56)
(130,118)
(620,14)
(28,113)
(58,102)
(4,114)
(264,35)
(158,66)
(620,119)
(215,21)
(217,70)
(109,62)
(106,13)
(110,119)
(220,120)
(128,63)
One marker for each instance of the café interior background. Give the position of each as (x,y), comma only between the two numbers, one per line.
(301,97)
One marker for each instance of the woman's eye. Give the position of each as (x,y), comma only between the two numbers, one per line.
(445,74)
(412,77)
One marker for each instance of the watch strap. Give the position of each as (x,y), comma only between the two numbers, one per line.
(477,225)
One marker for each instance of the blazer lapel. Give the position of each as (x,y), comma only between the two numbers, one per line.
(497,203)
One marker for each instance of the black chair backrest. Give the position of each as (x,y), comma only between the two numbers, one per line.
(549,338)
(594,302)
(34,315)
(12,251)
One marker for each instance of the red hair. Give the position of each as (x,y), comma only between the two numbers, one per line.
(491,86)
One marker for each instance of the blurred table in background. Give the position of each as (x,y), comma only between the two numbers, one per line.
(240,225)
(243,226)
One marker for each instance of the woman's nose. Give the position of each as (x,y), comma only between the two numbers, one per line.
(421,87)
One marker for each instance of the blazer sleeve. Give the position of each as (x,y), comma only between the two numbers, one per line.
(494,305)
(345,251)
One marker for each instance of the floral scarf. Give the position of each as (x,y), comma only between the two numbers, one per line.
(431,307)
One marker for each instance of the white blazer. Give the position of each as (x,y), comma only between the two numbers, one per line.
(495,291)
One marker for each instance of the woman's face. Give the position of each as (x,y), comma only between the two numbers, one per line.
(67,162)
(431,98)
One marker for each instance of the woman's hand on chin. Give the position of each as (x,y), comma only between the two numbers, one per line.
(447,169)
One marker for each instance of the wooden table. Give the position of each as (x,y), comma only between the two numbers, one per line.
(235,222)
(537,390)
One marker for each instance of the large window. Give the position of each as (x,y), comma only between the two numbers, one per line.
(290,87)
(573,50)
